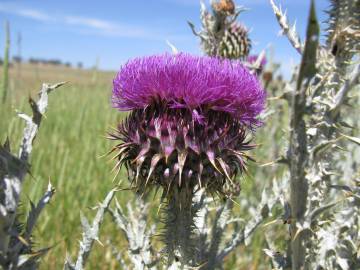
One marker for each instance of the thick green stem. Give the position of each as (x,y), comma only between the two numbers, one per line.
(298,154)
(179,227)
(299,191)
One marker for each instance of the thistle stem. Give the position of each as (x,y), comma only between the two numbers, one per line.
(179,227)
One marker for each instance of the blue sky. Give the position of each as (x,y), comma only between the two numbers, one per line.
(116,30)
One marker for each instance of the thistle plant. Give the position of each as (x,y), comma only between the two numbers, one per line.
(221,35)
(90,234)
(320,237)
(189,127)
(17,249)
(257,62)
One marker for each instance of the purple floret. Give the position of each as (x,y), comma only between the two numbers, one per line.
(192,82)
(253,58)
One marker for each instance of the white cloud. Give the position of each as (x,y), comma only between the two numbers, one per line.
(109,28)
(33,14)
(89,22)
(90,25)
(27,13)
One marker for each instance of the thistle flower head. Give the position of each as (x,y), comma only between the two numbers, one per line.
(197,84)
(188,122)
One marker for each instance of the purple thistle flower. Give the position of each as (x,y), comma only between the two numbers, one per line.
(189,120)
(191,82)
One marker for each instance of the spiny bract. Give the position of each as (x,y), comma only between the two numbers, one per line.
(236,43)
(189,120)
(252,59)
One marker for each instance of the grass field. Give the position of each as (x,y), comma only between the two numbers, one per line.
(67,151)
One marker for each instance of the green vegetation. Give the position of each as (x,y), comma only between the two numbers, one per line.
(71,146)
(5,79)
(69,150)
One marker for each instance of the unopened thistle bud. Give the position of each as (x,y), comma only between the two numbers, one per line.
(188,123)
(235,43)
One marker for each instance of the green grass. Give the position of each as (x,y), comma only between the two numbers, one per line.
(5,77)
(67,151)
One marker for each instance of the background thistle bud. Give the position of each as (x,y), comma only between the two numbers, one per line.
(189,121)
(235,43)
(221,35)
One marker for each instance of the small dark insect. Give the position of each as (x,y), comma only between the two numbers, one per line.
(226,6)
(287,221)
(334,49)
(340,38)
